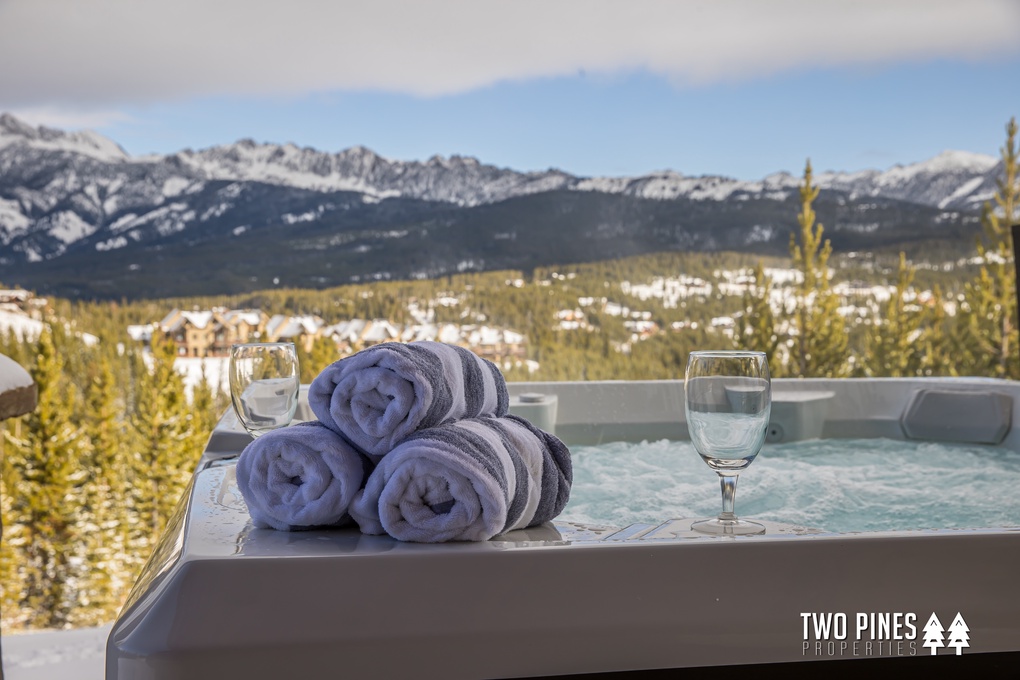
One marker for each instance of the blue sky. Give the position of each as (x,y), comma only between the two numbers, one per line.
(732,87)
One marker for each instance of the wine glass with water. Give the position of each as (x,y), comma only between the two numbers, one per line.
(264,384)
(728,398)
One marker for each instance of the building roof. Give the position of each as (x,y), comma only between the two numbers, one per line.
(380,330)
(252,317)
(282,326)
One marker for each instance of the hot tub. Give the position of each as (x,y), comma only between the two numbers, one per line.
(220,599)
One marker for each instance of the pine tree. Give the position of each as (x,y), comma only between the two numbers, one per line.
(11,571)
(163,454)
(989,315)
(936,346)
(207,402)
(892,352)
(104,518)
(758,325)
(46,462)
(820,339)
(310,364)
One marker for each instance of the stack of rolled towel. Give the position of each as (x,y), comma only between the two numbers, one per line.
(413,440)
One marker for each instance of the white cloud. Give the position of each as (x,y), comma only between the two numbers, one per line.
(106,53)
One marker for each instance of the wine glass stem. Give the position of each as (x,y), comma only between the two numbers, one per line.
(729,495)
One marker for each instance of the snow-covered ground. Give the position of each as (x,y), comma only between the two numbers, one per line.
(216,370)
(56,655)
(20,325)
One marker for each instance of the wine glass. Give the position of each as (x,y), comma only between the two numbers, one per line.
(264,384)
(728,398)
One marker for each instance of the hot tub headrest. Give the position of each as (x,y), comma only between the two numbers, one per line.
(972,417)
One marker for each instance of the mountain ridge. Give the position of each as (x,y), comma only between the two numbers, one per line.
(79,195)
(243,160)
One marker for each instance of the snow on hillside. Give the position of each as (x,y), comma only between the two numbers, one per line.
(192,369)
(957,160)
(21,326)
(951,179)
(215,370)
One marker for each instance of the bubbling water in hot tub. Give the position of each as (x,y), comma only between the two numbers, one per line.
(838,485)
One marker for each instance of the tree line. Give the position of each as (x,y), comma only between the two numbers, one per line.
(904,340)
(90,478)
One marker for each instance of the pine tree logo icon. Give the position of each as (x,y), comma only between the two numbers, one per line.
(933,634)
(958,634)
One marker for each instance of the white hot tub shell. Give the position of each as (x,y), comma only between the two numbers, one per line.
(220,599)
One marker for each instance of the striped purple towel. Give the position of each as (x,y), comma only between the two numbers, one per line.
(466,480)
(381,395)
(300,477)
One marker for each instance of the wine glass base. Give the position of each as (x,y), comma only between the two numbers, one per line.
(728,527)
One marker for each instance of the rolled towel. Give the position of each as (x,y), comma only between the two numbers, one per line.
(300,477)
(466,480)
(379,396)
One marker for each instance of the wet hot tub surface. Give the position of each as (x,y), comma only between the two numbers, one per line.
(838,485)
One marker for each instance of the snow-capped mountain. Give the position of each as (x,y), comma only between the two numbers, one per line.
(463,181)
(86,143)
(952,180)
(64,193)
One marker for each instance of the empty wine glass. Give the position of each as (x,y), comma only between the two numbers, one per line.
(264,384)
(728,398)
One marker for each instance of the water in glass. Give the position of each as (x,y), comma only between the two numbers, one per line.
(264,385)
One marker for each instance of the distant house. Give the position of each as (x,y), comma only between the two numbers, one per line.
(420,331)
(447,332)
(495,344)
(24,302)
(572,319)
(210,333)
(378,331)
(240,325)
(191,331)
(356,334)
(301,330)
(346,334)
(15,295)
